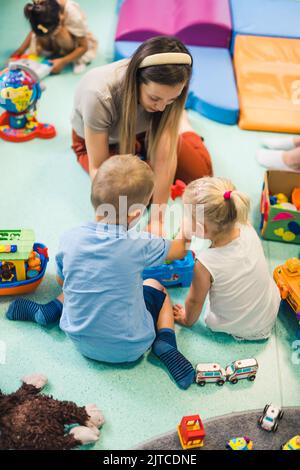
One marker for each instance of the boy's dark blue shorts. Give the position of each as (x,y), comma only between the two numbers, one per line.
(154,300)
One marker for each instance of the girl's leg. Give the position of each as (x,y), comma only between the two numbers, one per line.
(165,346)
(280,160)
(292,158)
(193,157)
(288,142)
(27,310)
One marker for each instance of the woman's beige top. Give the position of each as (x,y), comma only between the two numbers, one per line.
(97,102)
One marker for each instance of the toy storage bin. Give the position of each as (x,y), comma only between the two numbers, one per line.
(279,224)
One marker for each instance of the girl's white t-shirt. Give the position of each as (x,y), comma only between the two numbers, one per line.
(243,299)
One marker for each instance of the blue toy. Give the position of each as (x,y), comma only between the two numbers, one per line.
(175,273)
(19,92)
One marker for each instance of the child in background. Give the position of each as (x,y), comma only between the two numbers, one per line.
(59,30)
(243,298)
(106,309)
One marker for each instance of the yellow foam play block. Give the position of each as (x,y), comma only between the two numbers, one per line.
(268,80)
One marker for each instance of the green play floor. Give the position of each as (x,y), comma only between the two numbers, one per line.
(43,188)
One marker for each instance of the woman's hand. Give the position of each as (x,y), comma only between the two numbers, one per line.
(58,65)
(179,315)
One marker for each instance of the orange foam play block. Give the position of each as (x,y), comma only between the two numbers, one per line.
(268,79)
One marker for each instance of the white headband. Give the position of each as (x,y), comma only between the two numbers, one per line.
(166,58)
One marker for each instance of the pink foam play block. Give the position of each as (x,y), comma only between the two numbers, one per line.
(195,22)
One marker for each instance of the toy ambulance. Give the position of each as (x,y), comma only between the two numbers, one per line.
(270,418)
(242,369)
(210,373)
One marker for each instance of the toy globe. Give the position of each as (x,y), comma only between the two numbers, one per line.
(19,92)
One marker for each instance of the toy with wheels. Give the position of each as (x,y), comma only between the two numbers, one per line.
(287,278)
(19,92)
(175,273)
(22,262)
(292,444)
(242,369)
(270,418)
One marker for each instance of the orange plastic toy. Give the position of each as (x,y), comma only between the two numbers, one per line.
(191,432)
(287,278)
(267,73)
(296,198)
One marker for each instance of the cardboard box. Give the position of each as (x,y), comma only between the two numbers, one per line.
(279,224)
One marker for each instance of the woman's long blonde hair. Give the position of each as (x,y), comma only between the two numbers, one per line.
(171,75)
(223,205)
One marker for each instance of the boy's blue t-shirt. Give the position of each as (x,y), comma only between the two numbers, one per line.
(104,312)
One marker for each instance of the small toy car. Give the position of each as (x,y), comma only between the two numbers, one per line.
(271,415)
(240,443)
(210,373)
(292,444)
(287,277)
(242,369)
(191,432)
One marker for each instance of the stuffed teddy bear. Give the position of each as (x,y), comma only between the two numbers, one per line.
(38,422)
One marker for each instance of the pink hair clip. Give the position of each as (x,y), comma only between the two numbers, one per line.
(227,195)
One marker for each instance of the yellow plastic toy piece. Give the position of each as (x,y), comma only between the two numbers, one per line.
(281,198)
(292,444)
(287,278)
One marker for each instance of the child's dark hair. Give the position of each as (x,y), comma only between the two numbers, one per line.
(43,15)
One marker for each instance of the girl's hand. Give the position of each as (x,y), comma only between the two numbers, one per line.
(179,314)
(58,65)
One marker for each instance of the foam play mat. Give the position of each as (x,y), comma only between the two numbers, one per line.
(267,72)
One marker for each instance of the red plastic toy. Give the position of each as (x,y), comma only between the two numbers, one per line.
(191,432)
(177,189)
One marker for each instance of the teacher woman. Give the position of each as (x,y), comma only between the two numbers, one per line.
(137,106)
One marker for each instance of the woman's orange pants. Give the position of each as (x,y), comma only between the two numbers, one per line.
(193,159)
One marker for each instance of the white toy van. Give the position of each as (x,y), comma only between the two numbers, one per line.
(242,369)
(210,373)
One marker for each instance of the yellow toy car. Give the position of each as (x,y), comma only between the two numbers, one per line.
(292,444)
(240,443)
(287,278)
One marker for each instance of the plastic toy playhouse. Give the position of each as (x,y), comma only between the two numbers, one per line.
(280,217)
(191,432)
(22,262)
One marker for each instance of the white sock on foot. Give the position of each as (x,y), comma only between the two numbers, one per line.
(279,143)
(272,160)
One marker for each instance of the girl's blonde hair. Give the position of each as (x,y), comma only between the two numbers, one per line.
(171,75)
(223,205)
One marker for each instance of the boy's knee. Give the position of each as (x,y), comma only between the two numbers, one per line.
(156,284)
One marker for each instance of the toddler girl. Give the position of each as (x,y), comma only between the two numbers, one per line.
(243,298)
(59,30)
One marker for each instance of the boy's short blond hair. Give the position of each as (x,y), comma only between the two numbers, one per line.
(122,175)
